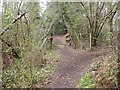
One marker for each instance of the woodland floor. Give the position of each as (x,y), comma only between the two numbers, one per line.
(72,64)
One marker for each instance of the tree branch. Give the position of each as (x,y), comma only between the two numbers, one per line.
(14,21)
(112,12)
(89,20)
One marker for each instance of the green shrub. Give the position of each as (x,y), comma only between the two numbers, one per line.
(87,82)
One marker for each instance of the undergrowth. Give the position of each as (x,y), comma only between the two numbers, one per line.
(101,74)
(24,74)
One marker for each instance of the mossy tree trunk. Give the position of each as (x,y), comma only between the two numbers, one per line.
(73,34)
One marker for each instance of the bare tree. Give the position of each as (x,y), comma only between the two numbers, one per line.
(97,16)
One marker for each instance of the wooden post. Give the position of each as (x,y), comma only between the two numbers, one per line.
(90,41)
(81,40)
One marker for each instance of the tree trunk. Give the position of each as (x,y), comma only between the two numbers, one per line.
(51,40)
(118,61)
(94,42)
(93,39)
(118,39)
(74,36)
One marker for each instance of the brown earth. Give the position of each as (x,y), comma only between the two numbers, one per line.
(72,64)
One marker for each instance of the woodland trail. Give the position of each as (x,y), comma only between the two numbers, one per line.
(72,64)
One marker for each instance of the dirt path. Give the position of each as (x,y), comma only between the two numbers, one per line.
(72,65)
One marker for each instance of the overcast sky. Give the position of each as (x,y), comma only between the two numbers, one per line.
(42,4)
(0,5)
